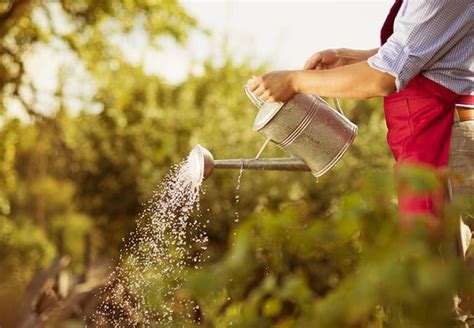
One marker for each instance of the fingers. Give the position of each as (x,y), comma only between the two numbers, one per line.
(271,99)
(313,61)
(259,91)
(265,96)
(255,83)
(257,87)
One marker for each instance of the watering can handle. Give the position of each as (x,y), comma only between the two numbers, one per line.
(259,103)
(338,106)
(255,100)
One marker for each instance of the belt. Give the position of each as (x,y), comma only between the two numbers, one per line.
(465,114)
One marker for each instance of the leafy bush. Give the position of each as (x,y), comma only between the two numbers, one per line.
(356,268)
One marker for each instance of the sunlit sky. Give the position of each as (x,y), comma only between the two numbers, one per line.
(282,32)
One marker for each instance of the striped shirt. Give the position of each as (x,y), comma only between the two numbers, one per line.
(434,38)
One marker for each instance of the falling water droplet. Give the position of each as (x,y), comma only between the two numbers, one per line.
(161,248)
(237,196)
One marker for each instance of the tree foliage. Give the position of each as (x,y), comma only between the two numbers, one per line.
(305,252)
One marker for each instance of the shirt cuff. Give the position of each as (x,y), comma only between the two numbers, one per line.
(393,59)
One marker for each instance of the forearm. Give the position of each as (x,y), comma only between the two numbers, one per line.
(354,55)
(357,81)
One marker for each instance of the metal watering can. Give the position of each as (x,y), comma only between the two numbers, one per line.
(307,127)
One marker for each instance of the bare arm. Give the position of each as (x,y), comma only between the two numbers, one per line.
(332,58)
(357,81)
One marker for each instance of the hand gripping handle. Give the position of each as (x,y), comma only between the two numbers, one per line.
(255,100)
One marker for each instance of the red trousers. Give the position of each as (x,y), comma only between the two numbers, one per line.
(419,121)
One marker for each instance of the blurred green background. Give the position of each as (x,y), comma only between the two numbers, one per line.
(73,176)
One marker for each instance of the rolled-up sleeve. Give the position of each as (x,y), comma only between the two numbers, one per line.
(422,30)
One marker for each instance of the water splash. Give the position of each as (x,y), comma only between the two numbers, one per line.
(144,289)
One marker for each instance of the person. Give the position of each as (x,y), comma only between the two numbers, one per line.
(461,163)
(423,66)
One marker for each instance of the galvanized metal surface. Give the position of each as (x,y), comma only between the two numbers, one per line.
(203,164)
(271,164)
(308,128)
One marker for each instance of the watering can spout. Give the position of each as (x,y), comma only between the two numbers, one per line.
(202,162)
(203,159)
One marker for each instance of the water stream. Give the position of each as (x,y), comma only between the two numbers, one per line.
(168,239)
(262,148)
(144,287)
(237,195)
